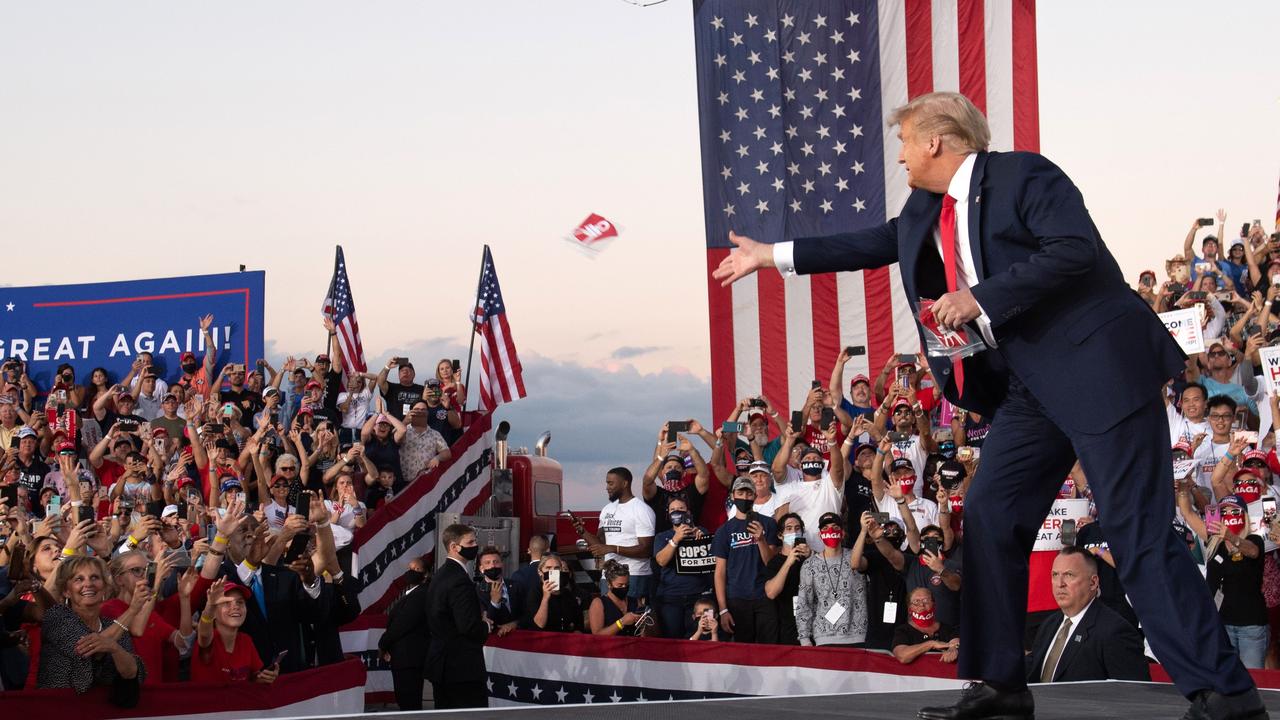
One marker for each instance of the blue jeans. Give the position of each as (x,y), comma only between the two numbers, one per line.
(1251,642)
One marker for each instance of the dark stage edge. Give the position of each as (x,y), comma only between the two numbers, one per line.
(1060,701)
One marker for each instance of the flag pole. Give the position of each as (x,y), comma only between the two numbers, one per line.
(471,350)
(328,339)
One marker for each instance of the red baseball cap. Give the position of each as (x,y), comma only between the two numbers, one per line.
(859,378)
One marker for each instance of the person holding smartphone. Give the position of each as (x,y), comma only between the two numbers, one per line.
(677,591)
(553,604)
(784,575)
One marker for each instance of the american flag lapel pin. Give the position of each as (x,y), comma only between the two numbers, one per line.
(977,198)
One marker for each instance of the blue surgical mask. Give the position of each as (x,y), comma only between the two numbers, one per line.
(789,539)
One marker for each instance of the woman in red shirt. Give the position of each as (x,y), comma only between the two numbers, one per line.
(222,651)
(451,385)
(151,632)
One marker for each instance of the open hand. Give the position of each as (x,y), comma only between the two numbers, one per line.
(749,257)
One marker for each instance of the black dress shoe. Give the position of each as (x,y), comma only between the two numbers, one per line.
(1210,705)
(979,701)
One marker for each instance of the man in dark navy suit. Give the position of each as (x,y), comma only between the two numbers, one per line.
(1074,367)
(1087,640)
(458,626)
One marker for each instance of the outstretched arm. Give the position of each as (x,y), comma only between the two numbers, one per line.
(870,248)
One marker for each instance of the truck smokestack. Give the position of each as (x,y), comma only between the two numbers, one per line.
(500,444)
(540,447)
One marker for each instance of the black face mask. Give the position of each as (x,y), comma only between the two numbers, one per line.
(469,553)
(743,505)
(894,540)
(679,517)
(493,573)
(413,577)
(742,465)
(812,468)
(619,592)
(190,368)
(674,475)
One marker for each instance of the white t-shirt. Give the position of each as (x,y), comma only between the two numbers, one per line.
(913,450)
(1209,453)
(1180,428)
(276,514)
(624,523)
(810,500)
(768,507)
(358,411)
(924,511)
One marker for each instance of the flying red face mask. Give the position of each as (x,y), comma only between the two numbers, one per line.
(921,620)
(831,537)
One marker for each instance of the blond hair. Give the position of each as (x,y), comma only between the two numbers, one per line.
(947,114)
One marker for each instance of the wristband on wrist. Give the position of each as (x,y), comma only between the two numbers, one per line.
(206,619)
(220,538)
(901,501)
(724,610)
(68,552)
(618,623)
(120,625)
(249,565)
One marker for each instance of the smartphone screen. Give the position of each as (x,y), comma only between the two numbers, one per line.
(797,420)
(734,427)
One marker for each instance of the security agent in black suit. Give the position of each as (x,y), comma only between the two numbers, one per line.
(405,641)
(455,658)
(1086,640)
(498,596)
(1004,243)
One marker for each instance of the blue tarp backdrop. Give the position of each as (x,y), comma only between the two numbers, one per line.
(108,324)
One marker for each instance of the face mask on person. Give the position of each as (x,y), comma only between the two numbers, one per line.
(812,468)
(679,517)
(957,503)
(190,368)
(1248,489)
(1234,523)
(673,475)
(619,592)
(469,553)
(907,483)
(743,505)
(411,577)
(831,537)
(742,464)
(921,620)
(789,539)
(493,573)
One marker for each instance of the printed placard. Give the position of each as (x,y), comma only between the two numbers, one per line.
(1184,326)
(1050,537)
(693,557)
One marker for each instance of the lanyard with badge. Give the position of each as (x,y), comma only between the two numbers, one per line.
(837,610)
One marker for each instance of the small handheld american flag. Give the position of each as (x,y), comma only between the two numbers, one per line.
(341,307)
(501,380)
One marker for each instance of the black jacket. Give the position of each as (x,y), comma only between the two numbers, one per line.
(339,605)
(289,608)
(1104,646)
(509,611)
(457,626)
(407,636)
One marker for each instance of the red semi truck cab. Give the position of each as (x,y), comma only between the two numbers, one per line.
(530,486)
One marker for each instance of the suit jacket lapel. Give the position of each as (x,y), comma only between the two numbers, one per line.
(975,208)
(1079,635)
(918,243)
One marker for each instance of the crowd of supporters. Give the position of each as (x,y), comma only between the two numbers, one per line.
(198,529)
(844,524)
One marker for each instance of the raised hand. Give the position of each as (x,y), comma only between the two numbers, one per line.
(749,257)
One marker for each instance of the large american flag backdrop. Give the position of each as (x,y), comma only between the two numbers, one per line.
(793,98)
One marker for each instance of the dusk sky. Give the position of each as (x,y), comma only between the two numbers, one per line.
(154,139)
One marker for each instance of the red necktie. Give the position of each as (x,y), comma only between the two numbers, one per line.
(947,229)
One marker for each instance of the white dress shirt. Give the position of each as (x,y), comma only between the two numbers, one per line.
(1075,625)
(966,273)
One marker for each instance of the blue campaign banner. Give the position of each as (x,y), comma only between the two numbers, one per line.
(107,324)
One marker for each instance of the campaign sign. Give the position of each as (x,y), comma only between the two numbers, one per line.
(107,324)
(1270,359)
(1050,536)
(1184,326)
(693,557)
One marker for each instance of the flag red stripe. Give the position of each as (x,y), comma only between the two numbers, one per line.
(512,360)
(773,341)
(973,52)
(720,304)
(1026,94)
(826,324)
(490,361)
(919,50)
(880,343)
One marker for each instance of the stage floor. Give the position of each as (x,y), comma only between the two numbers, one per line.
(1060,701)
